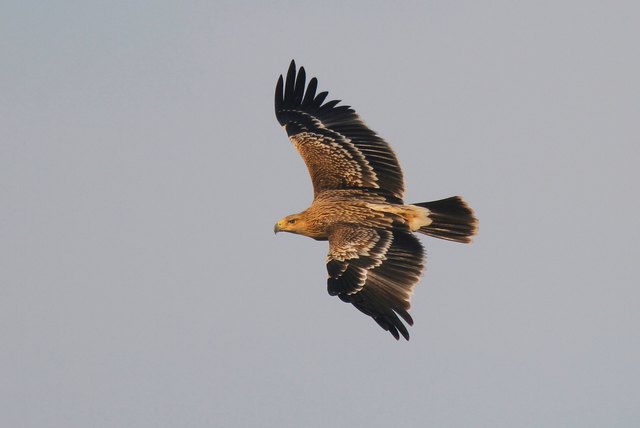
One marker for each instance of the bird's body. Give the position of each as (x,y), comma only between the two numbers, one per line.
(374,259)
(363,208)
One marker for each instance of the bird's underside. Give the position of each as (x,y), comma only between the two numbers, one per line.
(374,259)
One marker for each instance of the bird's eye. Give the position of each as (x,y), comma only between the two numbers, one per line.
(292,221)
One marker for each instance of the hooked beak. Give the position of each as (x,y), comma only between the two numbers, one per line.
(276,228)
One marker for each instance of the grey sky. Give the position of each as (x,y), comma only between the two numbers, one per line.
(142,170)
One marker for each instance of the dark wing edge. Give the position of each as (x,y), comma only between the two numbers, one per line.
(380,280)
(300,111)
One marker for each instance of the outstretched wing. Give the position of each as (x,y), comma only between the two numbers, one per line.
(338,148)
(376,270)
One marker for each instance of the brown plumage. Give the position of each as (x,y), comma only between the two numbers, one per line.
(374,259)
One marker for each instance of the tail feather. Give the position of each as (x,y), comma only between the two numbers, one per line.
(452,219)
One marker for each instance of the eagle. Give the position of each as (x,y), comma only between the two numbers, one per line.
(374,260)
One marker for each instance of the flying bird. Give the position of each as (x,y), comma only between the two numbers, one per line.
(374,260)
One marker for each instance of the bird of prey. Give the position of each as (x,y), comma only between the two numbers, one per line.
(374,259)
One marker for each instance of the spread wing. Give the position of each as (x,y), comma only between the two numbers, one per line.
(376,270)
(338,148)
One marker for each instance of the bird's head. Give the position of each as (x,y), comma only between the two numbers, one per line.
(294,223)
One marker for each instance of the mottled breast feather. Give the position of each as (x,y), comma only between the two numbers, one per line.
(376,270)
(340,151)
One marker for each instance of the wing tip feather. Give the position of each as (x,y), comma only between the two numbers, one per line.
(279,96)
(296,93)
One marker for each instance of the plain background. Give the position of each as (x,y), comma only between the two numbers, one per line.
(142,170)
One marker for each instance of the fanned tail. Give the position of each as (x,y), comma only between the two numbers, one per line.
(451,219)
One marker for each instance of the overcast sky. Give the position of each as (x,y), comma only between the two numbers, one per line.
(142,170)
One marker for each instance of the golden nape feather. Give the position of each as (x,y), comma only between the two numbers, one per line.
(374,260)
